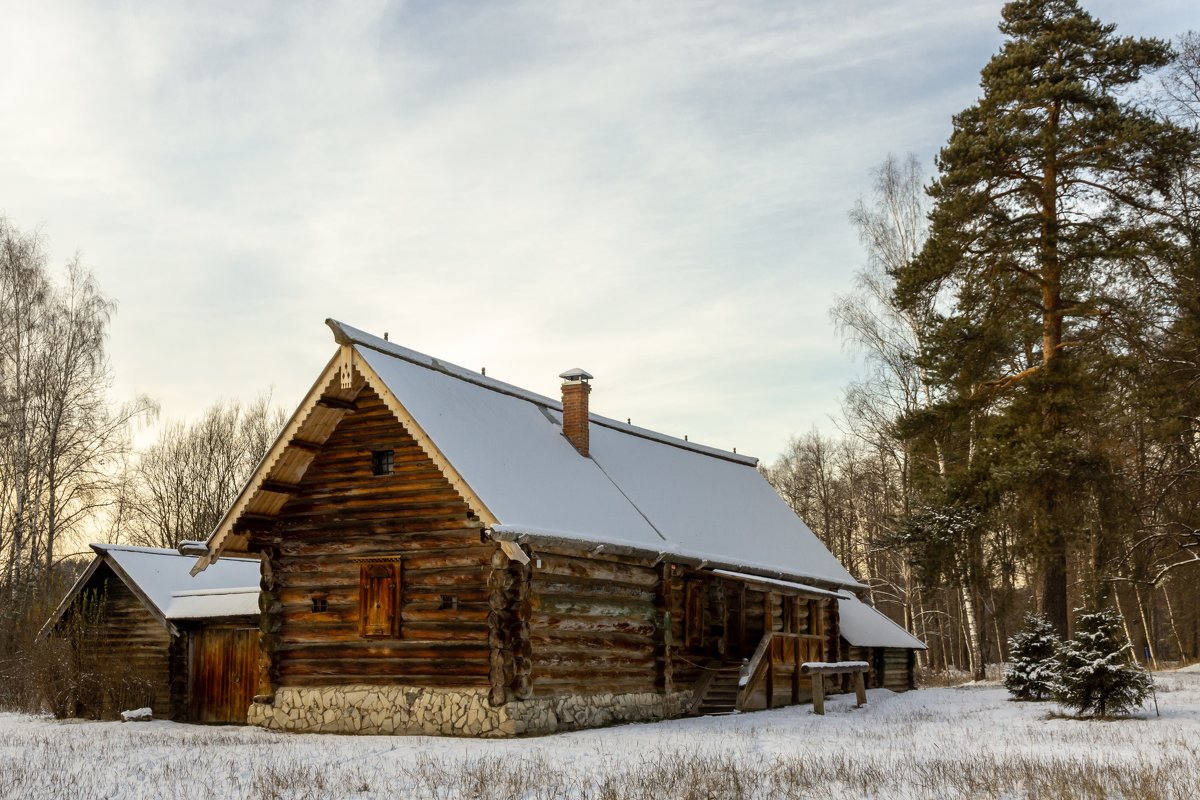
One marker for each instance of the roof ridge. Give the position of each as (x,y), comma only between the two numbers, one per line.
(349,335)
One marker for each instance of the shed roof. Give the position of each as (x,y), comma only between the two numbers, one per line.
(161,579)
(503,448)
(863,626)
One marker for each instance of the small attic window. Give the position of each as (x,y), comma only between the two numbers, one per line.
(319,603)
(449,603)
(382,462)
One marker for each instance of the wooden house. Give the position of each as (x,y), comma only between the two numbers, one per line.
(869,636)
(157,637)
(446,553)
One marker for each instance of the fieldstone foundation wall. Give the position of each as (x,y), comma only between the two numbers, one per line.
(371,709)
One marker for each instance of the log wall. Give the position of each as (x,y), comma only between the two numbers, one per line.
(342,516)
(127,642)
(891,667)
(595,625)
(897,675)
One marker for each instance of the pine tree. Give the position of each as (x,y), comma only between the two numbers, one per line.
(1046,195)
(1033,670)
(1098,675)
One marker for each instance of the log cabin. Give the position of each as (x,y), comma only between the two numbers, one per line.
(154,636)
(446,553)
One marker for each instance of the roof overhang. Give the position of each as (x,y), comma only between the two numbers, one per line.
(521,535)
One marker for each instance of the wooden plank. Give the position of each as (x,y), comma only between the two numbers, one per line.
(256,522)
(860,690)
(818,693)
(280,487)
(325,401)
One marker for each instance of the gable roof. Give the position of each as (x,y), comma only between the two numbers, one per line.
(502,447)
(863,626)
(162,581)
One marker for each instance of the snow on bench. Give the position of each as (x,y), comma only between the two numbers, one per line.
(833,667)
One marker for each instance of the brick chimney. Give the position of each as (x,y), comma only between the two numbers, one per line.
(575,391)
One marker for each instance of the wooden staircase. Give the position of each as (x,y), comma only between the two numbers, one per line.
(717,691)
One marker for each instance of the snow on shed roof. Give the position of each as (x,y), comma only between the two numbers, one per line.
(638,488)
(210,603)
(863,626)
(161,574)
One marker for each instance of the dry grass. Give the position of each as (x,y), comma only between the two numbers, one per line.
(906,748)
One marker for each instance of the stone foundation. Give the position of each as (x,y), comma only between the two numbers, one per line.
(369,709)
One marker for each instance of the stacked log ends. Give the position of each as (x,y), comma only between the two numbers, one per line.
(519,612)
(500,670)
(270,621)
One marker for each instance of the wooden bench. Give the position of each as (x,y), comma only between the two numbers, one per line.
(817,670)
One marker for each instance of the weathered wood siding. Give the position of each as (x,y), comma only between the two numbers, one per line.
(129,648)
(891,667)
(897,675)
(343,516)
(595,625)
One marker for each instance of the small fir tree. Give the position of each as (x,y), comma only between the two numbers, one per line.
(1097,674)
(1033,669)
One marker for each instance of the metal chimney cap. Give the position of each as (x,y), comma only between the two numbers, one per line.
(575,375)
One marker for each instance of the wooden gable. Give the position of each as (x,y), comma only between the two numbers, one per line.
(377,578)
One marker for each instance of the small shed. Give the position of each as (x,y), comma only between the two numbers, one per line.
(155,636)
(868,635)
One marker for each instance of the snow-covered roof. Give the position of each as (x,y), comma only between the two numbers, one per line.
(638,489)
(863,626)
(159,574)
(210,603)
(162,580)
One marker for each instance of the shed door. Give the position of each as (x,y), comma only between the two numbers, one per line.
(223,673)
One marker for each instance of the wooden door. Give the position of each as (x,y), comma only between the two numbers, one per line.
(378,598)
(222,673)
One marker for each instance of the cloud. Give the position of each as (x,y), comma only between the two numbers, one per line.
(654,191)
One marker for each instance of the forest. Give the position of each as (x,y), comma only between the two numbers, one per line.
(1025,433)
(1026,436)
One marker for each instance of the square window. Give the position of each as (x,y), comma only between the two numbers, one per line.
(449,603)
(319,604)
(382,462)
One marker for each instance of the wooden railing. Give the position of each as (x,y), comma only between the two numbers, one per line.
(701,687)
(777,647)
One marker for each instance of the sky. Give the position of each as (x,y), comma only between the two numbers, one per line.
(656,192)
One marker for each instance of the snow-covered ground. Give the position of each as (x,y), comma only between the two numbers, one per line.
(965,742)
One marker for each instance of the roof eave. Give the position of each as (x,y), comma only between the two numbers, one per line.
(511,534)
